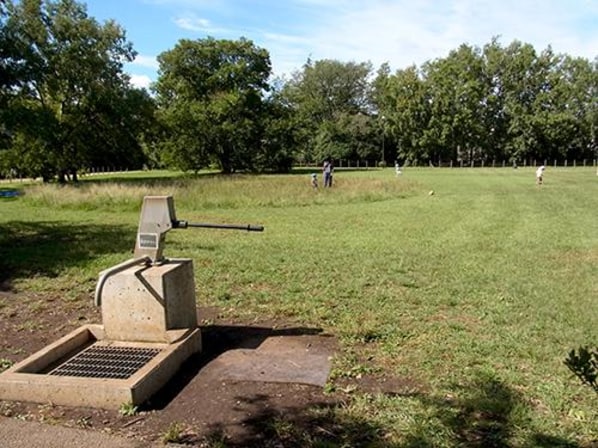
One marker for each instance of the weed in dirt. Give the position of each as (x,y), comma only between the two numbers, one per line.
(127,409)
(83,422)
(5,364)
(174,433)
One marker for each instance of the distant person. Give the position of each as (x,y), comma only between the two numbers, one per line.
(314,181)
(540,174)
(398,169)
(327,171)
(331,173)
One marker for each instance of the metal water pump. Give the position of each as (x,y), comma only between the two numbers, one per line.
(157,218)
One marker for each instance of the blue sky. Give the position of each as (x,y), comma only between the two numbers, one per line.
(400,32)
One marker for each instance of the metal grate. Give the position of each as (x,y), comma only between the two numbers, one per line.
(106,362)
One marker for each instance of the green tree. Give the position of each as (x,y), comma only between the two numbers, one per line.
(278,146)
(11,74)
(210,98)
(457,95)
(408,112)
(323,94)
(521,79)
(492,104)
(568,112)
(70,72)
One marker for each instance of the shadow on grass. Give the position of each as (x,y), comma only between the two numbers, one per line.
(485,413)
(267,422)
(319,425)
(47,248)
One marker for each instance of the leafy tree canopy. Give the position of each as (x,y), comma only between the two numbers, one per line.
(210,94)
(64,87)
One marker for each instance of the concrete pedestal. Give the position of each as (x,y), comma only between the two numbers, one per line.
(142,303)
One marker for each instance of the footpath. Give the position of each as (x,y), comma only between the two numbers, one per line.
(20,434)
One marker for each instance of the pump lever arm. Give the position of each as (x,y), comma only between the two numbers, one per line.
(248,227)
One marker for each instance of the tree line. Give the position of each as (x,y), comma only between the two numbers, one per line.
(67,105)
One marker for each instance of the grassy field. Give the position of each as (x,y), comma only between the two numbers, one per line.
(473,294)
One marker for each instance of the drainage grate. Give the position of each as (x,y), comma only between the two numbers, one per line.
(106,362)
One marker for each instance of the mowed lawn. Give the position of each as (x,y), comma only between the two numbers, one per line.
(466,286)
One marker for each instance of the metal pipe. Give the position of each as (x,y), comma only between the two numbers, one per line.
(114,270)
(248,227)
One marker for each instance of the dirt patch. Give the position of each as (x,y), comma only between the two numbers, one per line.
(201,405)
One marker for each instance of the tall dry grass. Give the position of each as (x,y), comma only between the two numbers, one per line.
(209,192)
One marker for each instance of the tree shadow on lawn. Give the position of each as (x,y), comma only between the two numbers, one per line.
(29,249)
(483,414)
(270,415)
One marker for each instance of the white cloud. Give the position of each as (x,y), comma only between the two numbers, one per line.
(141,81)
(146,61)
(190,22)
(404,32)
(401,32)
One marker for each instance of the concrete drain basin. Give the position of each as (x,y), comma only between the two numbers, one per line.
(84,369)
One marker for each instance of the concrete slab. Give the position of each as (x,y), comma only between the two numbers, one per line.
(280,359)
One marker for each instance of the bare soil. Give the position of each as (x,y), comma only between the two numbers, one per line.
(196,407)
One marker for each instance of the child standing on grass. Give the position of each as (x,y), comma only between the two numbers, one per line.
(314,181)
(540,174)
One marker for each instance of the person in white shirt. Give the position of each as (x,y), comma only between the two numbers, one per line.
(540,174)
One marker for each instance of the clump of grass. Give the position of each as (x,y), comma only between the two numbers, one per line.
(5,364)
(174,433)
(127,409)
